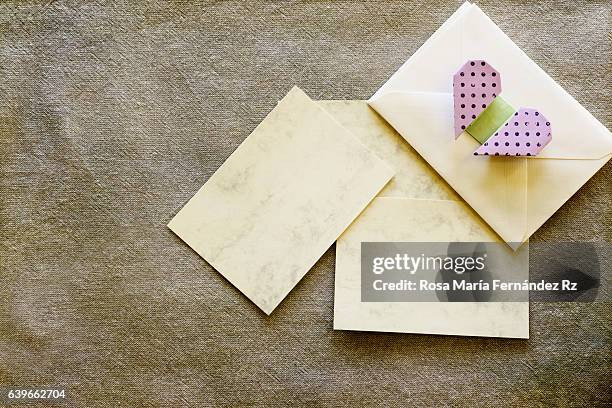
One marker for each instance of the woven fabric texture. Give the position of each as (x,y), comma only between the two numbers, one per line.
(113,114)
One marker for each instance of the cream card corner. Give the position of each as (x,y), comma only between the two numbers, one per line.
(414,178)
(281,200)
(392,219)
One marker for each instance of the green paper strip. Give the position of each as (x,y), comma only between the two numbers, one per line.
(491,119)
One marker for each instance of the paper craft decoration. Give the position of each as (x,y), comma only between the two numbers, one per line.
(417,204)
(281,200)
(515,196)
(475,86)
(525,134)
(480,112)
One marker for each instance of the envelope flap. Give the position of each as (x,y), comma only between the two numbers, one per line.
(496,188)
(470,34)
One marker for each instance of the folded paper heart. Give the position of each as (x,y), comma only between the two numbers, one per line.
(488,118)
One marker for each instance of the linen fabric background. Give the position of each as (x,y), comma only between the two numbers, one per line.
(113,114)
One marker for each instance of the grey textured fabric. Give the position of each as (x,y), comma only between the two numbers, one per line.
(113,114)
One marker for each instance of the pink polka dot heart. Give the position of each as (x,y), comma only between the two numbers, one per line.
(475,86)
(525,134)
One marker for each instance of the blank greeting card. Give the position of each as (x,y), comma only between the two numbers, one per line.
(281,200)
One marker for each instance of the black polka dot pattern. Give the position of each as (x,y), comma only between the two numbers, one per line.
(523,136)
(474,88)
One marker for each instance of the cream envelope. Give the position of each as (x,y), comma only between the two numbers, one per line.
(515,196)
(281,200)
(417,205)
